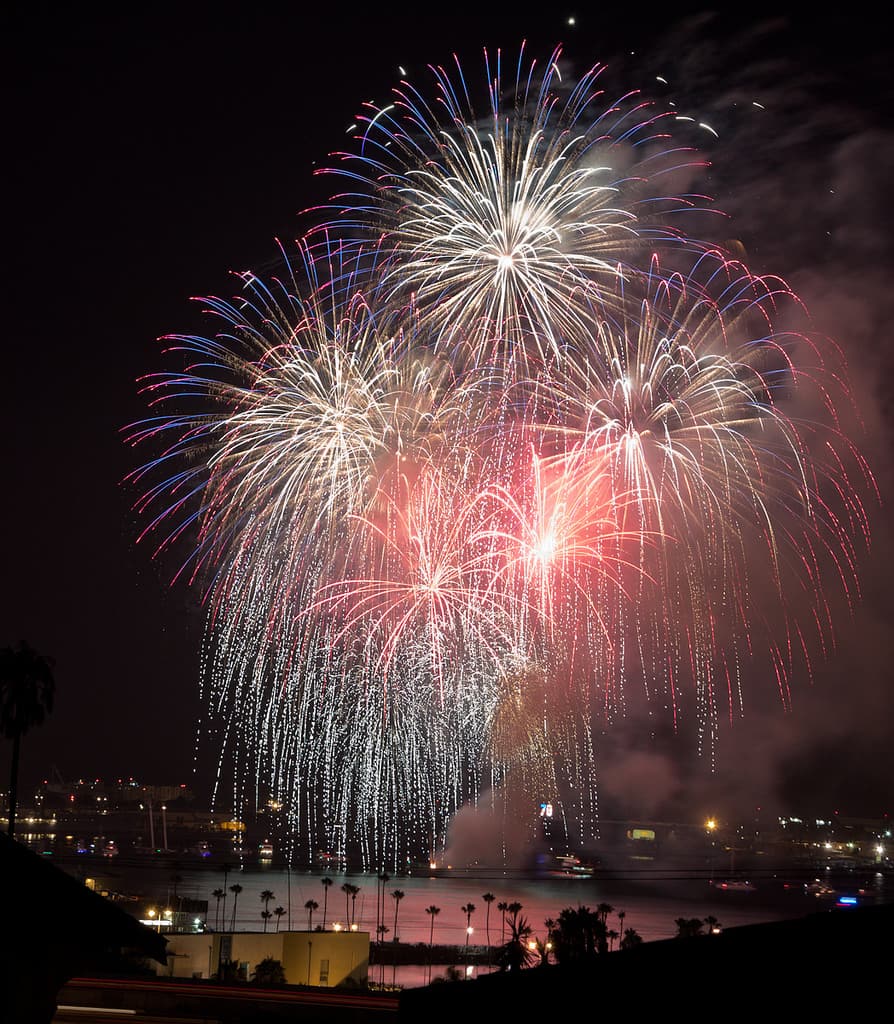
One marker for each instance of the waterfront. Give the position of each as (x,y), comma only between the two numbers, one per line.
(651,900)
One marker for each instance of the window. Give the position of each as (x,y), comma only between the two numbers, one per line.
(324,972)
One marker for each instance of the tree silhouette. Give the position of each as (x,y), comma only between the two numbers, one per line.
(269,972)
(603,910)
(432,912)
(266,896)
(350,892)
(382,879)
(310,907)
(327,885)
(226,868)
(502,907)
(488,898)
(278,911)
(27,688)
(688,927)
(218,894)
(631,938)
(235,890)
(468,910)
(516,953)
(397,895)
(580,935)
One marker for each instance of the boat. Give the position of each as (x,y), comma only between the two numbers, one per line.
(735,885)
(568,866)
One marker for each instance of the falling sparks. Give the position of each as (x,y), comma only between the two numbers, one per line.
(477,473)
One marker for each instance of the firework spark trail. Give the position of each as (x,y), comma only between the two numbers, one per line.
(477,474)
(499,227)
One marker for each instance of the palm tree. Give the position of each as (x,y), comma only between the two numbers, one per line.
(266,896)
(27,687)
(310,907)
(397,895)
(327,885)
(688,927)
(488,898)
(621,915)
(226,868)
(513,910)
(468,910)
(218,894)
(279,911)
(346,889)
(713,924)
(611,935)
(603,910)
(354,890)
(580,936)
(350,891)
(516,953)
(631,938)
(502,907)
(432,912)
(383,878)
(235,890)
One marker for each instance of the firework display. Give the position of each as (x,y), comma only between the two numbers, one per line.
(500,455)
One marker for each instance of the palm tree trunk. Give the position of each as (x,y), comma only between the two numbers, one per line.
(14,784)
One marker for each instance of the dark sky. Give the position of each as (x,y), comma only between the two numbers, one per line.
(154,150)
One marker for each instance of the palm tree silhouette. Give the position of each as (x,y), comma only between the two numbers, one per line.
(354,890)
(468,910)
(383,878)
(503,907)
(235,890)
(397,895)
(346,889)
(310,907)
(27,687)
(327,885)
(432,912)
(218,894)
(488,898)
(350,891)
(226,868)
(279,911)
(266,896)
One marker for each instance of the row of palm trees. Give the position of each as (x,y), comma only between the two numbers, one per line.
(592,925)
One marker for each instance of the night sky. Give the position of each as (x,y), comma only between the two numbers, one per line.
(153,152)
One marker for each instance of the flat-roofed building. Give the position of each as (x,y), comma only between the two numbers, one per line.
(325,959)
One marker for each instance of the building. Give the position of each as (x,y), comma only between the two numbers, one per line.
(325,959)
